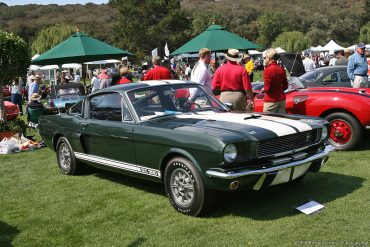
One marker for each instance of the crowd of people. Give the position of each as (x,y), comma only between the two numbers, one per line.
(231,79)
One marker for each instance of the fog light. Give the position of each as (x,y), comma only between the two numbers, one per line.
(234,185)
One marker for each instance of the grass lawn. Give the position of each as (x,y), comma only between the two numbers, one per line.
(41,207)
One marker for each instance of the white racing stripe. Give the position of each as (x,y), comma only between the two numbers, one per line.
(119,164)
(279,129)
(296,124)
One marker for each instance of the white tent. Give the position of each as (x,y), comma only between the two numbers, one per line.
(254,52)
(279,50)
(332,47)
(317,48)
(104,61)
(34,67)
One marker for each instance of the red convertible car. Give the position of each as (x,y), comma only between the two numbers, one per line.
(347,110)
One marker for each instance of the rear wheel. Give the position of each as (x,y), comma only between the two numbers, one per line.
(185,188)
(67,162)
(345,131)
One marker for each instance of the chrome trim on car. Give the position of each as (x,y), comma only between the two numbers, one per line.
(231,175)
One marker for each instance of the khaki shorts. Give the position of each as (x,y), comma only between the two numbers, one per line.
(237,99)
(274,107)
(360,81)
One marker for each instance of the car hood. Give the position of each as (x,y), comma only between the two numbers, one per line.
(248,126)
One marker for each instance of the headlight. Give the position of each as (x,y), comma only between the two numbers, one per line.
(324,133)
(230,153)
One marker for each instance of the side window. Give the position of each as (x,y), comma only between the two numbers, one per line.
(344,76)
(106,107)
(333,77)
(76,109)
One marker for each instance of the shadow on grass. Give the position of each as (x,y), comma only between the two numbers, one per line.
(280,201)
(268,204)
(138,183)
(7,234)
(365,143)
(138,242)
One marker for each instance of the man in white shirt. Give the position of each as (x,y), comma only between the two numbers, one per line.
(308,63)
(200,72)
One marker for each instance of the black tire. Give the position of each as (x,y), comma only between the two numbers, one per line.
(353,125)
(179,177)
(67,162)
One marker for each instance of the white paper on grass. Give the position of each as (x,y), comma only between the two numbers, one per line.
(310,207)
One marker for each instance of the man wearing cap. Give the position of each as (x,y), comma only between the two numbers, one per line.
(357,67)
(158,72)
(233,82)
(275,82)
(33,87)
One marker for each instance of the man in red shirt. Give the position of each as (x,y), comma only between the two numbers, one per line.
(233,82)
(275,83)
(158,72)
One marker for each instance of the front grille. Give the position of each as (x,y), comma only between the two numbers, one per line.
(278,145)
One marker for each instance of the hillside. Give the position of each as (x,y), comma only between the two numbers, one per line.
(318,20)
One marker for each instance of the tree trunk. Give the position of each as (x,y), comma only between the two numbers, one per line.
(2,106)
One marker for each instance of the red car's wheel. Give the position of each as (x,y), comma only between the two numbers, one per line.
(345,131)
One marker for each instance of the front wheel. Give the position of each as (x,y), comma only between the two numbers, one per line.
(345,131)
(67,162)
(185,188)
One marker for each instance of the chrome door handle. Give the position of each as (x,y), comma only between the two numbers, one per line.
(84,124)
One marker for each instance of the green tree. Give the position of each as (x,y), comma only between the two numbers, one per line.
(365,33)
(51,36)
(270,25)
(149,24)
(292,41)
(14,61)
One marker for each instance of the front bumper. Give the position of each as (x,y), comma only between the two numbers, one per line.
(323,155)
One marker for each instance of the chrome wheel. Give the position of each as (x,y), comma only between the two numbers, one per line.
(65,156)
(182,186)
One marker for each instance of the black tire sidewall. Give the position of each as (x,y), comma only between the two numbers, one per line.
(356,130)
(197,205)
(72,169)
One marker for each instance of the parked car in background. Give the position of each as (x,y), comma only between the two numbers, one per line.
(347,110)
(64,96)
(179,134)
(331,76)
(12,110)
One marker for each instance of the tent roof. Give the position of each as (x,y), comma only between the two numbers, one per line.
(332,46)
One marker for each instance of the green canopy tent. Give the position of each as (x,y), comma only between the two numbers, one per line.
(79,48)
(216,38)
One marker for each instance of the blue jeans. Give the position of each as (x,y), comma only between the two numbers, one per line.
(16,99)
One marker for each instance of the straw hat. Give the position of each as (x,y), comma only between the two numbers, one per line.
(35,96)
(233,55)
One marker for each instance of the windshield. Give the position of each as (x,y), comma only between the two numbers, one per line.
(310,76)
(172,99)
(65,91)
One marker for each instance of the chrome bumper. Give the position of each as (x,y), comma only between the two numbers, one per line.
(231,175)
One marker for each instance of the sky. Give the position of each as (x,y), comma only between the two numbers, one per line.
(45,2)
